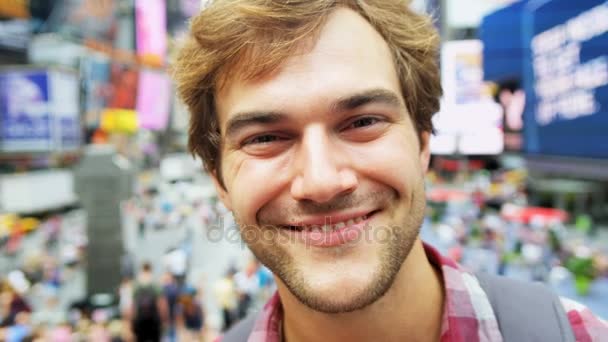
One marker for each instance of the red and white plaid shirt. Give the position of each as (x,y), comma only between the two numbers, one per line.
(467,316)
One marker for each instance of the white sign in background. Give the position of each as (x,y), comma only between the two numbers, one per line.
(469,122)
(64,107)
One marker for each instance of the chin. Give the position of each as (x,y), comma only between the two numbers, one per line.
(336,300)
(340,291)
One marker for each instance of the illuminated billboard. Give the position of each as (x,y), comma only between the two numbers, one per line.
(39,110)
(153,99)
(566,78)
(151,30)
(470,121)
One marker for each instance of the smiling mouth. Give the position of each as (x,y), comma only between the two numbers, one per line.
(330,227)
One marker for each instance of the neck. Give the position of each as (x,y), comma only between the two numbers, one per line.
(411,310)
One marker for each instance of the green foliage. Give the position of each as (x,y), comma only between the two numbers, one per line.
(581,267)
(583,223)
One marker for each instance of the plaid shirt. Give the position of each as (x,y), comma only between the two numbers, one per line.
(467,316)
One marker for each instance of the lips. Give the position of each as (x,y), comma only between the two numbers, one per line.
(328,227)
(328,224)
(345,231)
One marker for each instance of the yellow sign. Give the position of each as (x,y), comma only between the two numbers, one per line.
(115,120)
(29,223)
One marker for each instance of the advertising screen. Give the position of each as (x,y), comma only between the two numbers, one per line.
(151,30)
(39,110)
(25,117)
(470,121)
(503,53)
(123,93)
(566,78)
(153,99)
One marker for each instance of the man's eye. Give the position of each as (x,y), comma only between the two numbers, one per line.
(363,122)
(261,139)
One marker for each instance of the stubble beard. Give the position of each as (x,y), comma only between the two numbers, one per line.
(393,252)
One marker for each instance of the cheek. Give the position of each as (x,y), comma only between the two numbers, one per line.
(393,160)
(252,183)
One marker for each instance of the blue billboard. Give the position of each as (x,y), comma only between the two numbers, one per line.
(566,77)
(39,110)
(25,118)
(503,52)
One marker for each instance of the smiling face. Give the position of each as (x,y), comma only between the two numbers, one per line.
(323,168)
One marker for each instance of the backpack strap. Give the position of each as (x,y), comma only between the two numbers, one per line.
(241,330)
(526,311)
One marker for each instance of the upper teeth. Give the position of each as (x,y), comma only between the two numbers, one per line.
(331,227)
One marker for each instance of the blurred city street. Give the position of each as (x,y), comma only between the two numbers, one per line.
(110,224)
(209,260)
(213,252)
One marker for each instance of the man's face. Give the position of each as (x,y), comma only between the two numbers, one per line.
(323,168)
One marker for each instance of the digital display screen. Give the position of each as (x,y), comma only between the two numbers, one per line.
(566,78)
(26,124)
(151,29)
(153,99)
(470,121)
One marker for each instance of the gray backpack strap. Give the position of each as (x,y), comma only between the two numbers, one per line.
(526,311)
(241,330)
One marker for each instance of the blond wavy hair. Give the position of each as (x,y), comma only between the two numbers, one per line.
(251,38)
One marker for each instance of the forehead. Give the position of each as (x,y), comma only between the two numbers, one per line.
(350,56)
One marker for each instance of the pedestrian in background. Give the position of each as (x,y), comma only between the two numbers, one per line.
(226,296)
(170,291)
(190,316)
(148,307)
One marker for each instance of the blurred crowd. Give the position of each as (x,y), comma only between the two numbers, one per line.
(43,262)
(171,309)
(486,222)
(483,220)
(240,292)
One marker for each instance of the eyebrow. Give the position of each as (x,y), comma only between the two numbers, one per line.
(242,120)
(355,101)
(347,103)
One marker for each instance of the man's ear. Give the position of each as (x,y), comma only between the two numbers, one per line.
(221,191)
(425,151)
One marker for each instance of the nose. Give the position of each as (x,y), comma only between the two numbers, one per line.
(323,171)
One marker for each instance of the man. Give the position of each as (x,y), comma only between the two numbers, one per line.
(176,262)
(149,310)
(170,291)
(314,117)
(226,297)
